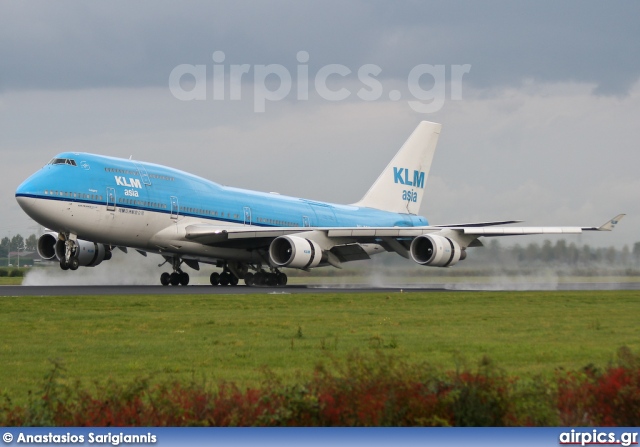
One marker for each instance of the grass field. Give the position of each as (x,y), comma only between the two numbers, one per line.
(233,337)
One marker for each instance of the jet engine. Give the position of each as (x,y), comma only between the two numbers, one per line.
(89,254)
(295,252)
(47,246)
(436,251)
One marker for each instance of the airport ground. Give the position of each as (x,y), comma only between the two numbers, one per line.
(237,337)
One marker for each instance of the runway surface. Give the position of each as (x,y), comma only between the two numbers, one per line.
(7,291)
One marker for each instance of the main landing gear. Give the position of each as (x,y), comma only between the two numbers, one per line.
(263,278)
(178,277)
(232,272)
(226,278)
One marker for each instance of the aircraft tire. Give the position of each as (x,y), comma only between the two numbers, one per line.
(281,279)
(214,279)
(64,265)
(184,279)
(248,279)
(233,280)
(165,279)
(270,280)
(174,279)
(74,263)
(224,279)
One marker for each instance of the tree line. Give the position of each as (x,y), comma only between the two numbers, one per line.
(559,252)
(17,243)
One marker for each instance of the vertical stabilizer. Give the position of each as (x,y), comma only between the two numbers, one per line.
(400,187)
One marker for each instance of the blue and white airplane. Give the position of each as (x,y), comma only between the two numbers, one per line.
(93,204)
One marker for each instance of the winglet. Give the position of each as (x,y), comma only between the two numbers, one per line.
(608,225)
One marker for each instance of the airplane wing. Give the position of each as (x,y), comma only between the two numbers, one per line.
(439,245)
(210,234)
(349,243)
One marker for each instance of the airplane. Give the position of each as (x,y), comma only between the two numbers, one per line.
(92,204)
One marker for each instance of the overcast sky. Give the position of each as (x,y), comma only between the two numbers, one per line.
(544,125)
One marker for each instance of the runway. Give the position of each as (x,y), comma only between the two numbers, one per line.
(75,290)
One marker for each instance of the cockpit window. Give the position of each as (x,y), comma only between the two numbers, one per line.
(63,161)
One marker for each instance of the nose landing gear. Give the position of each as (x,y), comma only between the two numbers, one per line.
(67,245)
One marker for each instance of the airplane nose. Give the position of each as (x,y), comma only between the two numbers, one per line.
(24,195)
(25,202)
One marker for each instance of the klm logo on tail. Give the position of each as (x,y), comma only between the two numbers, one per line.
(401,175)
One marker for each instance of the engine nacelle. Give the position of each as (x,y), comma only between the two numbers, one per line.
(436,251)
(47,246)
(295,252)
(89,254)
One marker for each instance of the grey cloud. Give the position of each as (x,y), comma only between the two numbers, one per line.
(70,45)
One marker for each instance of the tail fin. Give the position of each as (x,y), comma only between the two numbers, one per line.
(400,187)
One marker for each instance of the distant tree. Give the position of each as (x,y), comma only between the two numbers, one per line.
(31,243)
(17,242)
(494,247)
(636,252)
(610,255)
(547,252)
(625,256)
(573,254)
(4,247)
(585,255)
(560,251)
(532,252)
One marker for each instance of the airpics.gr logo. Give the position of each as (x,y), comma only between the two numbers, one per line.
(401,175)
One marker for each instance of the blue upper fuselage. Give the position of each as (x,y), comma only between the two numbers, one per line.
(134,185)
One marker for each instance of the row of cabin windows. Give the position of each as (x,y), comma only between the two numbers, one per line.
(282,223)
(122,171)
(73,195)
(142,203)
(129,172)
(161,177)
(187,209)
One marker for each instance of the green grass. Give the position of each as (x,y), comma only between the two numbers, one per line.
(233,337)
(6,281)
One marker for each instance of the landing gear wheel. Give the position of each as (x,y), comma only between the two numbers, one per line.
(184,278)
(248,279)
(175,279)
(214,279)
(64,265)
(225,279)
(74,263)
(270,280)
(165,279)
(281,279)
(233,279)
